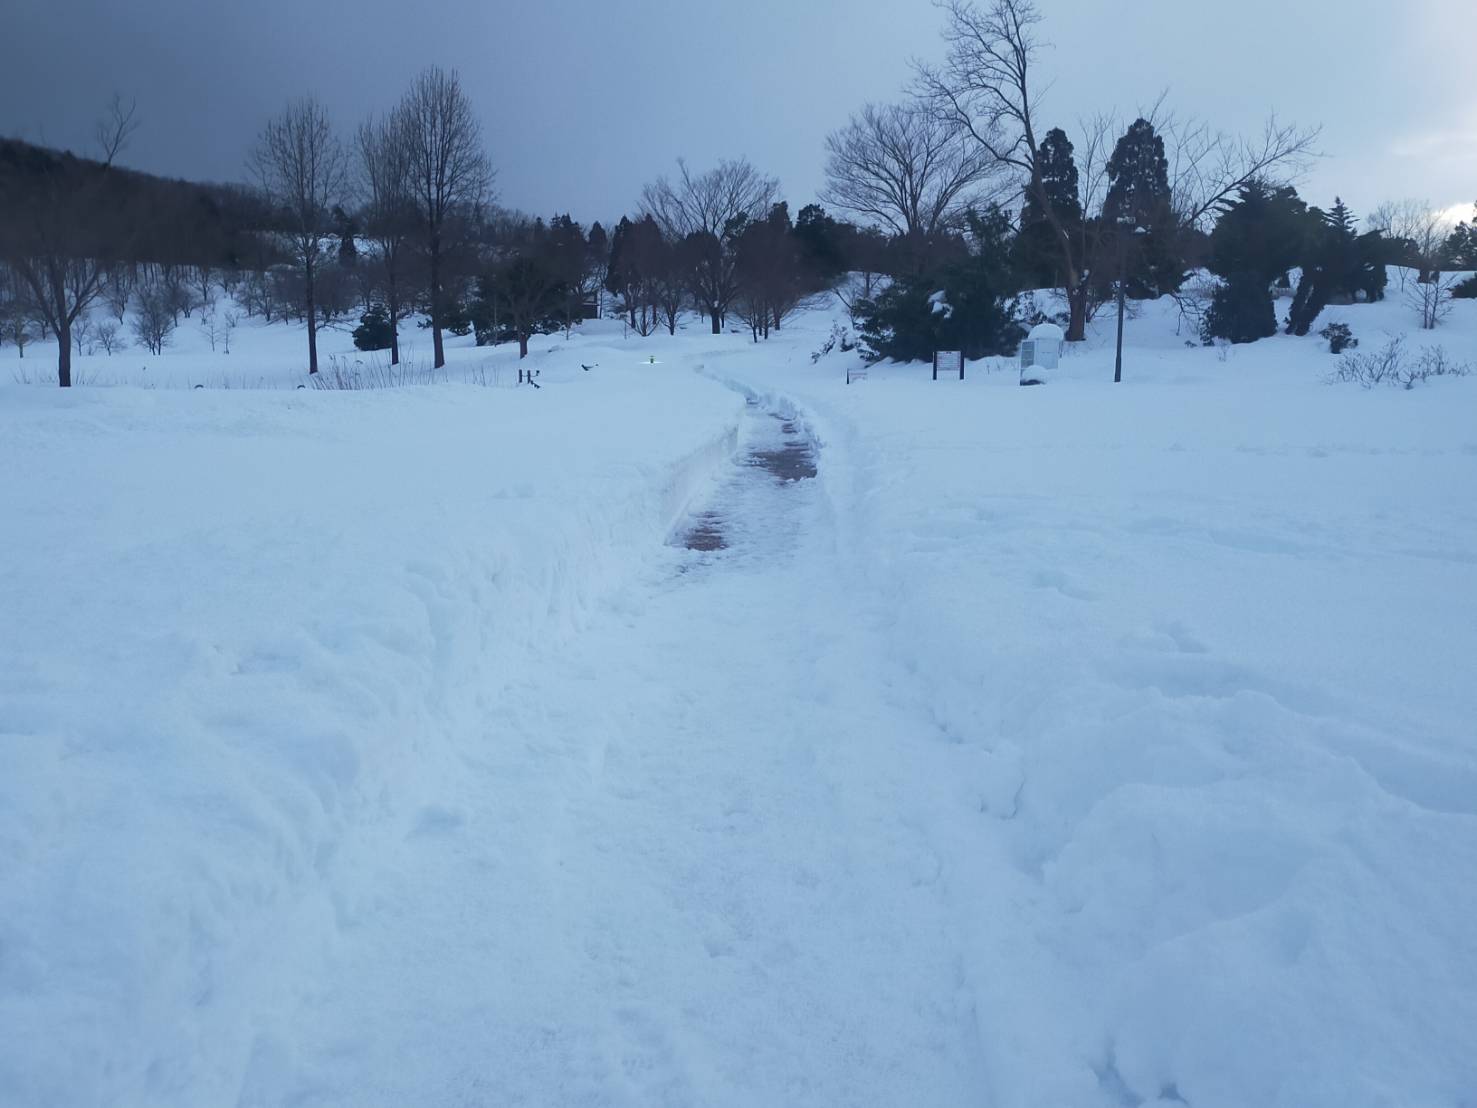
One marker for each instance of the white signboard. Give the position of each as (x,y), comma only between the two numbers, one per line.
(948,362)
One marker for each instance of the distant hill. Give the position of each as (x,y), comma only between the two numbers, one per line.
(125,215)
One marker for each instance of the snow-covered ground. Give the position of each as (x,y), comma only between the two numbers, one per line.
(1077,745)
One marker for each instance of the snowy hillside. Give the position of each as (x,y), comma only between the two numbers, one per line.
(1075,745)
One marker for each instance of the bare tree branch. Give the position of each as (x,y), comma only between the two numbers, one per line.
(906,169)
(116,127)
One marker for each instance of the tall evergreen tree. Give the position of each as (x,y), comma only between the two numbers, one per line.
(566,255)
(1139,198)
(639,258)
(1257,239)
(1037,253)
(822,242)
(1338,264)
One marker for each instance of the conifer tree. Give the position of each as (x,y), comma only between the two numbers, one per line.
(1460,250)
(1038,254)
(1257,239)
(1338,264)
(1139,197)
(968,303)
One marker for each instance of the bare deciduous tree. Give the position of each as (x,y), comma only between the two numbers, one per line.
(987,88)
(108,337)
(1425,229)
(1207,167)
(450,174)
(1408,224)
(15,321)
(83,336)
(116,127)
(389,209)
(904,168)
(1431,297)
(119,291)
(704,211)
(154,318)
(300,165)
(61,240)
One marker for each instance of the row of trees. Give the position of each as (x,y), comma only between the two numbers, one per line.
(947,206)
(424,177)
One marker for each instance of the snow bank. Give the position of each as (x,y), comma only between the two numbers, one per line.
(1194,653)
(1101,745)
(245,643)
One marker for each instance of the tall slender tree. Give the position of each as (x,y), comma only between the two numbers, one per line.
(450,176)
(301,168)
(389,209)
(1138,210)
(1038,253)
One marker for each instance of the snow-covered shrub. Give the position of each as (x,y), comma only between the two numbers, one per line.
(374,331)
(1393,366)
(1339,337)
(840,338)
(1240,312)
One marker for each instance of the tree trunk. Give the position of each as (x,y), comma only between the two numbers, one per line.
(522,346)
(716,318)
(64,356)
(312,328)
(1077,317)
(394,304)
(437,346)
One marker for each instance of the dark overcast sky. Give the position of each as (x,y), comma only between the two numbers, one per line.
(582,100)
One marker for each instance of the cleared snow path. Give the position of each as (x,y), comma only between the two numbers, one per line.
(685,868)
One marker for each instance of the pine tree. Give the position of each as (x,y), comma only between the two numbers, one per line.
(345,227)
(565,249)
(822,243)
(1257,239)
(1338,265)
(1460,249)
(977,312)
(1138,176)
(1139,197)
(1038,254)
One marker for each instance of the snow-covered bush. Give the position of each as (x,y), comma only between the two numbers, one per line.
(840,338)
(1395,367)
(1339,337)
(374,331)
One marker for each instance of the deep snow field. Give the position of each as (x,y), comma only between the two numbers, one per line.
(1077,745)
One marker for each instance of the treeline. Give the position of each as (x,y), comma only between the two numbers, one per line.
(127,215)
(942,216)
